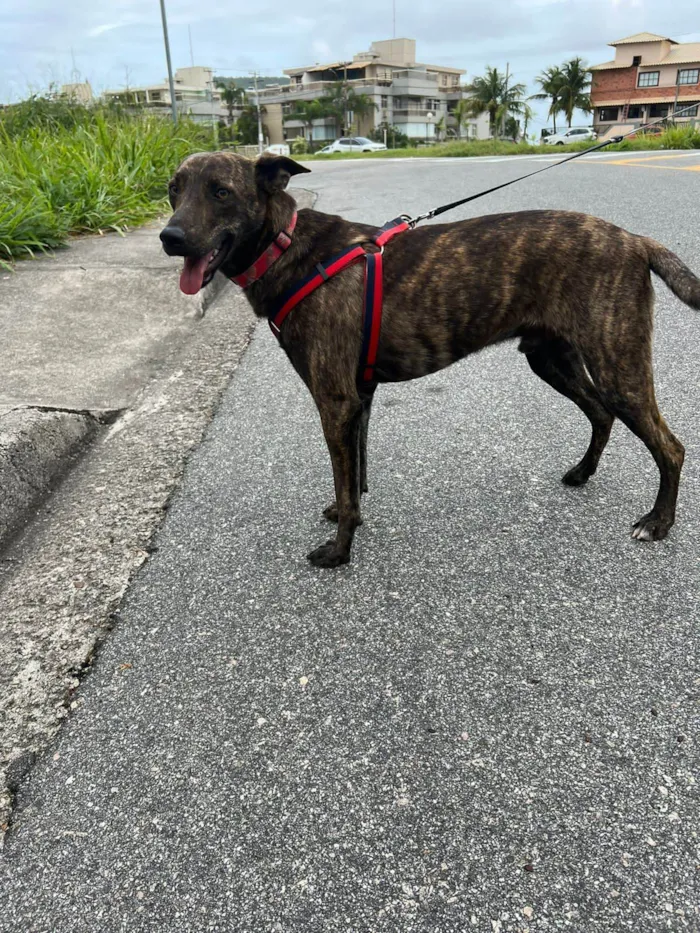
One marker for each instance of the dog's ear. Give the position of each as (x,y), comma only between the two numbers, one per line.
(273,172)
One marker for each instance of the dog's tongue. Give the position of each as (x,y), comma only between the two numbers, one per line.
(193,274)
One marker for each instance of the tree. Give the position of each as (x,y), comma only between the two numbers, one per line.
(307,111)
(440,128)
(550,82)
(247,125)
(461,113)
(493,95)
(575,87)
(340,100)
(232,96)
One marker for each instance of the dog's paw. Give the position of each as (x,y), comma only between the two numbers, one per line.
(651,528)
(329,555)
(331,513)
(577,476)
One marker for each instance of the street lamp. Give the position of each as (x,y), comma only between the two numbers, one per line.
(429,118)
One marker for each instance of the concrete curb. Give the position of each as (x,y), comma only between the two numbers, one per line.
(36,446)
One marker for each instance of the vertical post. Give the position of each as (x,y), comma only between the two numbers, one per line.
(345,98)
(189,33)
(257,104)
(173,103)
(505,100)
(675,103)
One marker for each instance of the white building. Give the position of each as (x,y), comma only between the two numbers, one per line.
(413,97)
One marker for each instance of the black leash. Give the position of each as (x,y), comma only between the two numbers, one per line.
(575,155)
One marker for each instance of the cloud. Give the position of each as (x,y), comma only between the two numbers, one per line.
(42,37)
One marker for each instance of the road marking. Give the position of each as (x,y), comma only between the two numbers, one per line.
(642,161)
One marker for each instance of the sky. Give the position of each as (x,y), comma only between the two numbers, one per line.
(113,43)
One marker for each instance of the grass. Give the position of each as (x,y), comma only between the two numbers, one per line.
(672,138)
(68,170)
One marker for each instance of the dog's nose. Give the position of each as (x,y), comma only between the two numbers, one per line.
(172,238)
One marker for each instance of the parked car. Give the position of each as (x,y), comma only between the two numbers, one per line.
(354,144)
(326,150)
(281,149)
(575,134)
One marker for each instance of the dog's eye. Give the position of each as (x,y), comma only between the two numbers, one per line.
(222,193)
(172,189)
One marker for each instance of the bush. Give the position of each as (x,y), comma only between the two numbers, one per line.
(68,169)
(298,146)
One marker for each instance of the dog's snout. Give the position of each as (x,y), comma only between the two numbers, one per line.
(173,239)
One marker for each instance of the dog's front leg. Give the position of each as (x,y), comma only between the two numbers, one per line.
(342,421)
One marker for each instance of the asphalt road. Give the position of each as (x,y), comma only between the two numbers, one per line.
(488,721)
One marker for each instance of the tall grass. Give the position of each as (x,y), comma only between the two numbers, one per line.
(67,170)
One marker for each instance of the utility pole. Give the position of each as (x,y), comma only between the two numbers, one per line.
(173,102)
(505,100)
(675,103)
(189,33)
(257,104)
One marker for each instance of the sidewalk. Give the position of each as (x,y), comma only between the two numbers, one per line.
(83,332)
(111,377)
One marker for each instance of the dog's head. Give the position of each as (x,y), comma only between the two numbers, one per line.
(220,202)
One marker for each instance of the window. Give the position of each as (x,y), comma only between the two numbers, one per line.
(608,114)
(385,101)
(432,104)
(683,106)
(658,110)
(688,75)
(637,60)
(634,112)
(648,79)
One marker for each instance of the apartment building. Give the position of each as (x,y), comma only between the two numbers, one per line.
(414,98)
(195,95)
(650,77)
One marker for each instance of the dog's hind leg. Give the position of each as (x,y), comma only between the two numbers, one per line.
(342,427)
(331,513)
(560,366)
(627,388)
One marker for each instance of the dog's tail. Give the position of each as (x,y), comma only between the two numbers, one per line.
(679,278)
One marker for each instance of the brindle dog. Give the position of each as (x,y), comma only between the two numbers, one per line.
(576,290)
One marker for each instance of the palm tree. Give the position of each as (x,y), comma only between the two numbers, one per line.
(550,81)
(231,95)
(461,113)
(341,100)
(574,92)
(493,95)
(307,111)
(440,128)
(528,114)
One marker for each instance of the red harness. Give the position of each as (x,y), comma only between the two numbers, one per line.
(372,318)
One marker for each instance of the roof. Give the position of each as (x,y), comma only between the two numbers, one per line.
(607,65)
(375,61)
(642,37)
(683,54)
(333,65)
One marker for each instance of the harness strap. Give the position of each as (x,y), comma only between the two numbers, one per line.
(373,292)
(299,291)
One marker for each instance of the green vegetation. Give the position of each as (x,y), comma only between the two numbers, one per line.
(493,94)
(67,169)
(567,88)
(672,138)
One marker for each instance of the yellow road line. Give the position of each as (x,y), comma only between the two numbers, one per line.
(637,162)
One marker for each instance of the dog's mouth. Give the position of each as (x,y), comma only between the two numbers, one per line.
(198,272)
